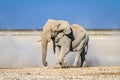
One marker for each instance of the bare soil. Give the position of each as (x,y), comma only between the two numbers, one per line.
(51,73)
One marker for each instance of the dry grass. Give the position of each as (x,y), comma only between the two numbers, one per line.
(50,73)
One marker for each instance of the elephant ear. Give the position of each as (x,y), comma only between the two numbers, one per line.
(48,24)
(64,26)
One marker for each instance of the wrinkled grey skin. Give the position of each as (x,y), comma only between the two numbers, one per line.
(75,34)
(76,41)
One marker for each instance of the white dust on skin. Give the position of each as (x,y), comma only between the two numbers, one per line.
(25,51)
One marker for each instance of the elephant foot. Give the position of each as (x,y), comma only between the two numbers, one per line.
(74,66)
(64,64)
(57,66)
(84,64)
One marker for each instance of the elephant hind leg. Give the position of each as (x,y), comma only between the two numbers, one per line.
(75,64)
(83,61)
(84,64)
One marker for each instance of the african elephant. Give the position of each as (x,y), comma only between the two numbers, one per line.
(53,27)
(76,41)
(50,30)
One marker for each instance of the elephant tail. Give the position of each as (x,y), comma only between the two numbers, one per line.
(39,40)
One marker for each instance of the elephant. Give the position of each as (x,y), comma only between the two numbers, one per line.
(65,38)
(50,30)
(76,41)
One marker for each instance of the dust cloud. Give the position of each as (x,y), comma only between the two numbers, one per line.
(19,51)
(104,51)
(25,51)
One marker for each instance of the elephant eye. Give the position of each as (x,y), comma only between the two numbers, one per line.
(49,31)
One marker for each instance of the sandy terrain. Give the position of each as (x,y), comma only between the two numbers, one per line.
(50,73)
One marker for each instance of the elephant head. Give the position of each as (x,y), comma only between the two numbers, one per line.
(50,30)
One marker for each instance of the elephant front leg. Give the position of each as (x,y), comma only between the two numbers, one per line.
(57,53)
(63,52)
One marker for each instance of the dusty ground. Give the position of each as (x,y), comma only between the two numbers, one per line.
(50,73)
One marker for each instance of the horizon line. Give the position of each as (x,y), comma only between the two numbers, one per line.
(42,29)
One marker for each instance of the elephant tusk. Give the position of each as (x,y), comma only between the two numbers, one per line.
(39,40)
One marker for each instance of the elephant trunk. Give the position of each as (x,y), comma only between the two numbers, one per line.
(44,42)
